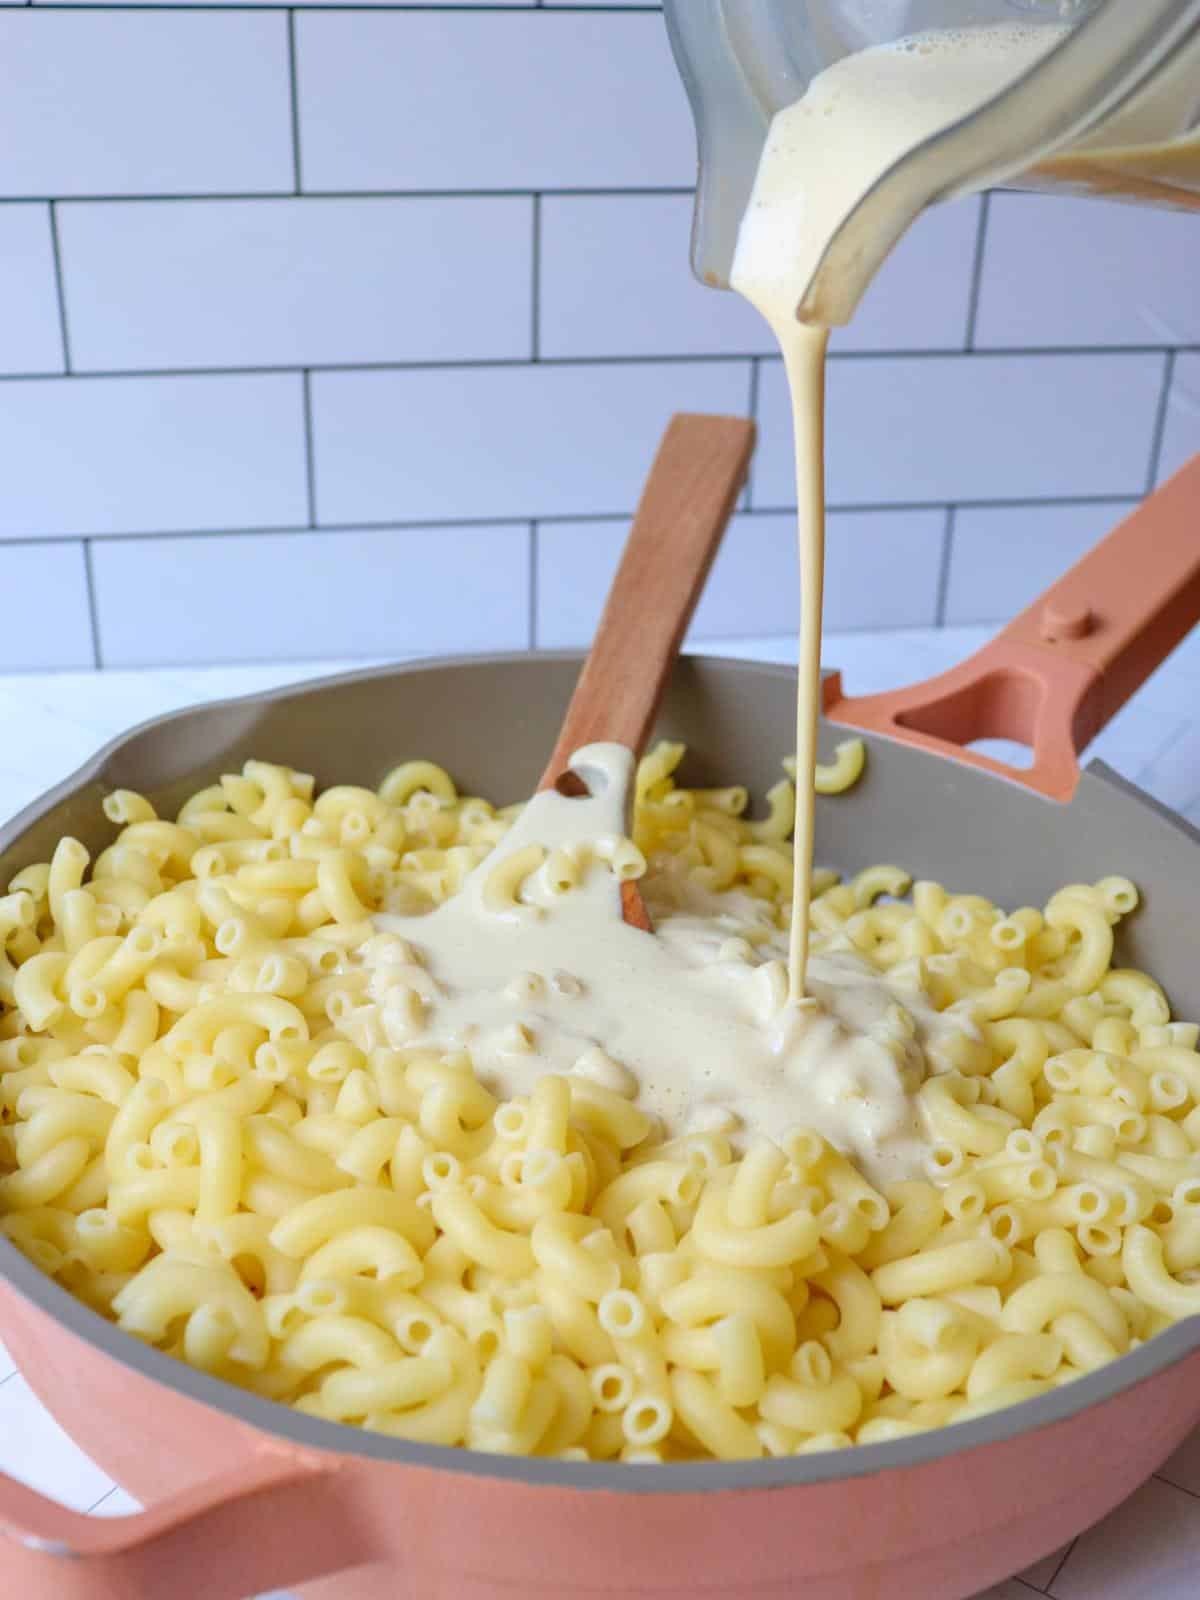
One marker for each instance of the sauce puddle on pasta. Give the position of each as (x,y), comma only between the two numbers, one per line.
(531,969)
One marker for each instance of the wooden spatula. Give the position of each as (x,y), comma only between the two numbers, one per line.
(687,501)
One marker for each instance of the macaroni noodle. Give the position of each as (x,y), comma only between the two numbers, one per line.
(223,1126)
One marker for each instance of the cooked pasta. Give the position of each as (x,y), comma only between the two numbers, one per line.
(213,1131)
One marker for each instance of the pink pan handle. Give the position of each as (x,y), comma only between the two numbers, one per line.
(1056,674)
(269,1521)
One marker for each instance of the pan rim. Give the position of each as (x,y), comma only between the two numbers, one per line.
(288,1426)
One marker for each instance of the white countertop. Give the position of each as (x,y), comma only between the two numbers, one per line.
(1149,1549)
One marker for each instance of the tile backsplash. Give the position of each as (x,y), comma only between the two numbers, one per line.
(349,329)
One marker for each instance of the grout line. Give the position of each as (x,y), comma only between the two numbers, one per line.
(977,271)
(533,584)
(1018,501)
(59,289)
(310,461)
(140,197)
(93,610)
(96,1504)
(990,352)
(294,96)
(620,514)
(535,341)
(716,358)
(1058,1569)
(503,364)
(755,375)
(9,1376)
(943,583)
(1160,421)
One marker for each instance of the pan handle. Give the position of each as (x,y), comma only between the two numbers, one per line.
(1056,674)
(269,1520)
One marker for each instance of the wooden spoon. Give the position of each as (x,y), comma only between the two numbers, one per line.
(687,501)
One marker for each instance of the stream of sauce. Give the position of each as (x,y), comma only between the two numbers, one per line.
(720,1020)
(821,156)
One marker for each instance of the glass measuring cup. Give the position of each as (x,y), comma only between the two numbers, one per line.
(1111,108)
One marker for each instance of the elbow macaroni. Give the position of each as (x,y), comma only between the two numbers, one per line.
(204,1135)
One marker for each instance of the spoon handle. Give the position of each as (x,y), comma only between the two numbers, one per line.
(687,501)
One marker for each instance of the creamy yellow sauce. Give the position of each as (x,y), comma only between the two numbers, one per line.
(696,1016)
(821,156)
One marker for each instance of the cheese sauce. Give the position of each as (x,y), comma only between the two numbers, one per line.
(822,154)
(694,1019)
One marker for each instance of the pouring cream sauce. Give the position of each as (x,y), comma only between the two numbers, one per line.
(822,154)
(720,1020)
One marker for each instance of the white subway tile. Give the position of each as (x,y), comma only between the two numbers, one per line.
(616,280)
(46,620)
(1003,557)
(921,297)
(154,102)
(259,597)
(418,100)
(138,455)
(881,572)
(882,569)
(1149,1546)
(515,441)
(576,562)
(212,283)
(35,1449)
(1172,775)
(1181,432)
(970,427)
(30,340)
(1065,271)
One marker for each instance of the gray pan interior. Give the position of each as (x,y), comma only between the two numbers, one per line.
(491,721)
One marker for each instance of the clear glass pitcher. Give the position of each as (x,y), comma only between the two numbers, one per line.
(1112,109)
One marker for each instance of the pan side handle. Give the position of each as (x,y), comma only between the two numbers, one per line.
(268,1521)
(1056,674)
